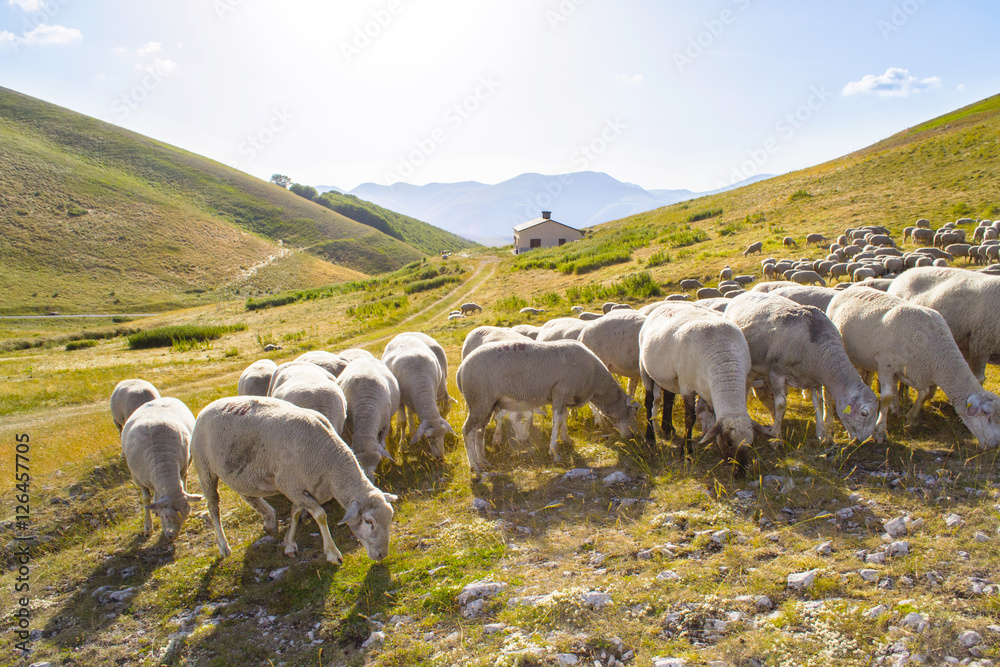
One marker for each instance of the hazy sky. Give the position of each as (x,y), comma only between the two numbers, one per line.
(662,93)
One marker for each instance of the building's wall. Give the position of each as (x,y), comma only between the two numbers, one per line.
(548,232)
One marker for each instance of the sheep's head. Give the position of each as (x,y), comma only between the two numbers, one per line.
(735,436)
(625,418)
(173,512)
(369,519)
(981,413)
(435,430)
(858,412)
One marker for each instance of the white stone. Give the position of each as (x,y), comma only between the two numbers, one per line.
(596,599)
(480,505)
(970,638)
(717,626)
(374,639)
(898,549)
(801,581)
(877,610)
(668,575)
(617,477)
(579,473)
(868,574)
(915,621)
(913,525)
(953,520)
(40,664)
(825,549)
(877,558)
(566,658)
(669,662)
(763,603)
(980,536)
(123,595)
(480,589)
(473,609)
(493,628)
(274,575)
(995,629)
(722,536)
(896,527)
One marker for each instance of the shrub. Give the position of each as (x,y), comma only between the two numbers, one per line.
(433,283)
(379,308)
(186,333)
(684,237)
(637,286)
(658,258)
(512,303)
(799,194)
(79,344)
(704,215)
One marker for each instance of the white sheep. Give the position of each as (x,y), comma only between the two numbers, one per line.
(372,399)
(308,385)
(527,375)
(521,422)
(328,361)
(615,340)
(904,342)
(353,353)
(156,442)
(262,446)
(692,351)
(560,328)
(806,295)
(419,374)
(526,330)
(127,396)
(969,301)
(792,345)
(256,378)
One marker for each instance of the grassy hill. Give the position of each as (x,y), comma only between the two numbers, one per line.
(95,217)
(693,563)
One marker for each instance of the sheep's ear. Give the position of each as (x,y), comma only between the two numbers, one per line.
(448,428)
(384,453)
(419,434)
(759,428)
(390,498)
(710,435)
(351,513)
(159,504)
(192,498)
(972,406)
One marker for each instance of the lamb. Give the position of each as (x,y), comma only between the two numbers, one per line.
(328,361)
(420,376)
(909,343)
(527,375)
(520,421)
(798,346)
(261,446)
(615,340)
(127,396)
(467,308)
(726,273)
(561,328)
(256,378)
(310,386)
(969,302)
(372,399)
(691,351)
(156,442)
(753,248)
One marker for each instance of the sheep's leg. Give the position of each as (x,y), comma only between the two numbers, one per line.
(211,491)
(558,415)
(474,435)
(690,417)
(598,417)
(913,416)
(564,429)
(829,413)
(401,422)
(821,433)
(667,413)
(265,511)
(145,497)
(333,554)
(471,449)
(886,393)
(901,393)
(780,403)
(291,548)
(498,419)
(411,422)
(633,384)
(650,431)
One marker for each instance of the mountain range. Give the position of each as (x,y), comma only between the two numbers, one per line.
(486,213)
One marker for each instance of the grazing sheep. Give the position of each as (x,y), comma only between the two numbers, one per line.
(907,231)
(576,310)
(863,273)
(372,399)
(708,293)
(455,316)
(355,353)
(561,328)
(959,250)
(798,346)
(923,223)
(608,307)
(256,378)
(753,248)
(690,351)
(264,446)
(127,396)
(969,302)
(817,297)
(156,442)
(807,278)
(691,283)
(527,375)
(307,385)
(904,342)
(467,308)
(328,361)
(623,306)
(789,242)
(420,376)
(744,279)
(587,316)
(615,340)
(726,273)
(674,297)
(528,310)
(814,238)
(923,235)
(520,421)
(526,330)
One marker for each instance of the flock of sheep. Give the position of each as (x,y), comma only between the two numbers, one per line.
(316,428)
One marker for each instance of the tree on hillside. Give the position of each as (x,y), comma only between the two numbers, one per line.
(305,191)
(281,179)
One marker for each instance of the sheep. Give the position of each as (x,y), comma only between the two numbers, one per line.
(527,375)
(688,350)
(588,316)
(355,353)
(968,301)
(308,385)
(256,378)
(909,343)
(576,310)
(528,310)
(328,361)
(744,279)
(156,442)
(800,294)
(959,250)
(521,421)
(798,346)
(708,293)
(717,304)
(907,231)
(455,316)
(690,283)
(923,235)
(863,273)
(372,399)
(623,306)
(127,396)
(807,277)
(467,308)
(615,340)
(814,238)
(789,242)
(674,297)
(753,248)
(923,223)
(420,375)
(838,270)
(561,328)
(261,446)
(881,284)
(526,330)
(768,270)
(726,273)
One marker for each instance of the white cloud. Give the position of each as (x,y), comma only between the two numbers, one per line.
(28,5)
(632,79)
(960,87)
(896,82)
(149,48)
(7,39)
(161,66)
(119,50)
(43,34)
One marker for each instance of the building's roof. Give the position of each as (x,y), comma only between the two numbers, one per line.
(537,221)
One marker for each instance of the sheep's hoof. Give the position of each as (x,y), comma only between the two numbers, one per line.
(334,557)
(650,442)
(224,551)
(555,456)
(291,550)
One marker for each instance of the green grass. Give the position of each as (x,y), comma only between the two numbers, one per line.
(181,335)
(80,344)
(704,215)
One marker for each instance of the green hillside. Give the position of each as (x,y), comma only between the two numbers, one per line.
(94,216)
(421,235)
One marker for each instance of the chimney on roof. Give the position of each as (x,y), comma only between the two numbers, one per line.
(546,215)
